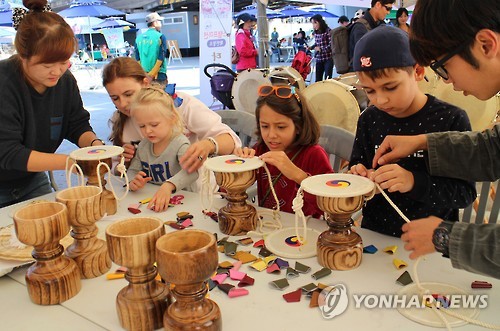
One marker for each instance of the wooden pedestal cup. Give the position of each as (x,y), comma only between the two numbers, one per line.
(54,278)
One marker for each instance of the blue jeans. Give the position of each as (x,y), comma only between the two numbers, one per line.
(325,68)
(37,186)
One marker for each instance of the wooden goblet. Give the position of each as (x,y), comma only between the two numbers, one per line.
(89,168)
(86,206)
(235,175)
(54,278)
(187,259)
(131,243)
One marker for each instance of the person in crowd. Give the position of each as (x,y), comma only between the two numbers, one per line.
(464,50)
(151,50)
(322,48)
(402,19)
(343,20)
(157,157)
(41,104)
(301,41)
(370,20)
(245,42)
(275,36)
(389,74)
(288,135)
(123,77)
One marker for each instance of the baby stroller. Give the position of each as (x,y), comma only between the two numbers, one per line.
(302,63)
(221,83)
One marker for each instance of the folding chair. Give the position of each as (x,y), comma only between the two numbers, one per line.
(338,143)
(487,202)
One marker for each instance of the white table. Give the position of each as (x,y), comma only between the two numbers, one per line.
(93,308)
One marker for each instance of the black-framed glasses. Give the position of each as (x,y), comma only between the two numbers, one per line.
(438,66)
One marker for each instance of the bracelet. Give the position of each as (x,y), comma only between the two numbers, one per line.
(97,139)
(216,145)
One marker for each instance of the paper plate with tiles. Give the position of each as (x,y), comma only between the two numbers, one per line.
(332,103)
(441,294)
(284,243)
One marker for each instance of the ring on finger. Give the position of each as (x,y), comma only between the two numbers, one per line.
(200,158)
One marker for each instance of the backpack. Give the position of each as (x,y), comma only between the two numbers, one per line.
(340,46)
(235,56)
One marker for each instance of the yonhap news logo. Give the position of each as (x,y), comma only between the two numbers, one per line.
(334,300)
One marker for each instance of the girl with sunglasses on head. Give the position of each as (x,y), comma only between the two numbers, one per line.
(40,103)
(158,155)
(288,135)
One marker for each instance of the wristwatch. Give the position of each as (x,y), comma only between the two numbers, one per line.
(441,238)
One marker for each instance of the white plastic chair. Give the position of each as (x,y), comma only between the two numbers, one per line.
(242,122)
(338,143)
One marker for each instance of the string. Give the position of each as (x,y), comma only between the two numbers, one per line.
(69,171)
(123,173)
(423,290)
(298,203)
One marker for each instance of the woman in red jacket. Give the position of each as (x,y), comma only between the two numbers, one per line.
(245,42)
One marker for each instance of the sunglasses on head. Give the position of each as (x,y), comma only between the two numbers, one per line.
(281,91)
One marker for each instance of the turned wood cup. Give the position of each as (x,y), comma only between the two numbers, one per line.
(187,259)
(53,278)
(235,175)
(85,207)
(131,243)
(339,196)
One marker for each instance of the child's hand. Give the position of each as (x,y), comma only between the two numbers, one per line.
(244,152)
(360,170)
(139,181)
(128,152)
(281,161)
(393,178)
(160,200)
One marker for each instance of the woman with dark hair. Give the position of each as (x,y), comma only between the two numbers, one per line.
(41,104)
(401,19)
(244,41)
(322,48)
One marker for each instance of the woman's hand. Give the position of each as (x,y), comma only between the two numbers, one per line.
(161,199)
(128,152)
(195,155)
(139,181)
(244,152)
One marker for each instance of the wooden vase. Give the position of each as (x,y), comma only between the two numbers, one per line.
(187,259)
(89,168)
(339,247)
(53,278)
(85,207)
(237,217)
(131,243)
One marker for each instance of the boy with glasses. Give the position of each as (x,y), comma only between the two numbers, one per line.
(471,30)
(388,73)
(371,19)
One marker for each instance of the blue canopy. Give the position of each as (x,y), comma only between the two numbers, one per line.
(292,11)
(252,10)
(90,9)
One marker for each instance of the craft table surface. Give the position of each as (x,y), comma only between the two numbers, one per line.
(93,308)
